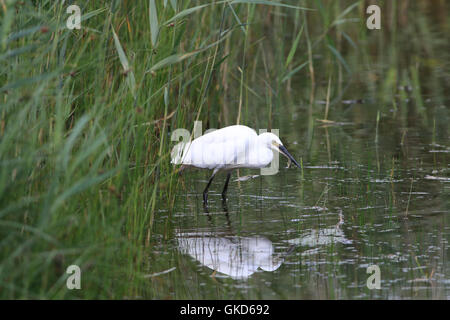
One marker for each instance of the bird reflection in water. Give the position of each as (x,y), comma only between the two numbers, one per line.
(226,253)
(240,257)
(237,257)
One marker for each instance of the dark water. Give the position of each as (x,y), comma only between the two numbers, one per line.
(374,191)
(312,233)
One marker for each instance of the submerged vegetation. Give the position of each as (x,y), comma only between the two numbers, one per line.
(86,117)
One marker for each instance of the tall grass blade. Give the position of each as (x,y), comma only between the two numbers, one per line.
(269,3)
(340,58)
(154,25)
(294,46)
(187,12)
(126,66)
(176,58)
(173,3)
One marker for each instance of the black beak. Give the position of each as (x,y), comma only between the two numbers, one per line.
(288,155)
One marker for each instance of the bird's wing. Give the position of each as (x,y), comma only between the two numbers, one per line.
(221,148)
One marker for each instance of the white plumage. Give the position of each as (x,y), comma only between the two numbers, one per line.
(237,257)
(230,148)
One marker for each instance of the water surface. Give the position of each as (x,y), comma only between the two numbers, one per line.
(373,190)
(312,233)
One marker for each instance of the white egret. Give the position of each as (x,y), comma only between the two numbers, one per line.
(237,257)
(230,148)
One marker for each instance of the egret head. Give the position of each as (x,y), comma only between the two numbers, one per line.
(272,141)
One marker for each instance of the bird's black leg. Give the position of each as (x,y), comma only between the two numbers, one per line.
(225,210)
(205,209)
(225,188)
(205,192)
